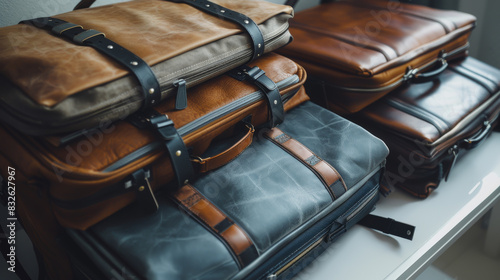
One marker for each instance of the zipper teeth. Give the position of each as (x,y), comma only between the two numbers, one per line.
(233,106)
(196,124)
(400,81)
(299,256)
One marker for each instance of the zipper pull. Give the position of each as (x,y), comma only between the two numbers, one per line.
(181,97)
(453,150)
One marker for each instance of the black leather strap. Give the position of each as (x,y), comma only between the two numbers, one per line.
(264,83)
(389,226)
(93,38)
(245,22)
(179,155)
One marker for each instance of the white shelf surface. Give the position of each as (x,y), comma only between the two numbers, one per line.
(361,253)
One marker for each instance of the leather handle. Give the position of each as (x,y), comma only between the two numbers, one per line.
(415,75)
(213,162)
(477,139)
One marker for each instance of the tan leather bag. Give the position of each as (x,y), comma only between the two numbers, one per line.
(74,70)
(356,51)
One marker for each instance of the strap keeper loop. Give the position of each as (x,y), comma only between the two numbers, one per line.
(85,35)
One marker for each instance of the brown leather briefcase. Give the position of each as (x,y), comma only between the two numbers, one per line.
(428,125)
(357,51)
(74,70)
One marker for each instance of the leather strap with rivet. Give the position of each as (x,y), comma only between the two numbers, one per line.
(97,40)
(271,91)
(389,226)
(325,172)
(221,12)
(200,208)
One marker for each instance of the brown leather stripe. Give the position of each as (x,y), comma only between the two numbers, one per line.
(327,173)
(207,212)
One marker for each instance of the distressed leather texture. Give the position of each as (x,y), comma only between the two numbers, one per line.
(49,81)
(369,44)
(266,191)
(81,167)
(421,122)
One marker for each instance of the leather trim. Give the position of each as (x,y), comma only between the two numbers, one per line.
(327,173)
(206,212)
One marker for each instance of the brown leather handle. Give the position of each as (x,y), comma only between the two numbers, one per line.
(210,163)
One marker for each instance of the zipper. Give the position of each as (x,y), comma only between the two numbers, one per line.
(404,78)
(329,235)
(200,122)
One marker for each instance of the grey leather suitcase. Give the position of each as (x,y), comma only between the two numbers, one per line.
(265,215)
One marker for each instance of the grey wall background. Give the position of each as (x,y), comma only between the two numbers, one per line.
(485,40)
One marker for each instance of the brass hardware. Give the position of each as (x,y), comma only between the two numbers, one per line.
(142,188)
(178,153)
(135,63)
(151,90)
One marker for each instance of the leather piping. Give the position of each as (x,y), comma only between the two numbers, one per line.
(206,212)
(326,173)
(447,30)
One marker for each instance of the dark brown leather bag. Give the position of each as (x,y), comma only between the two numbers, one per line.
(357,51)
(428,125)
